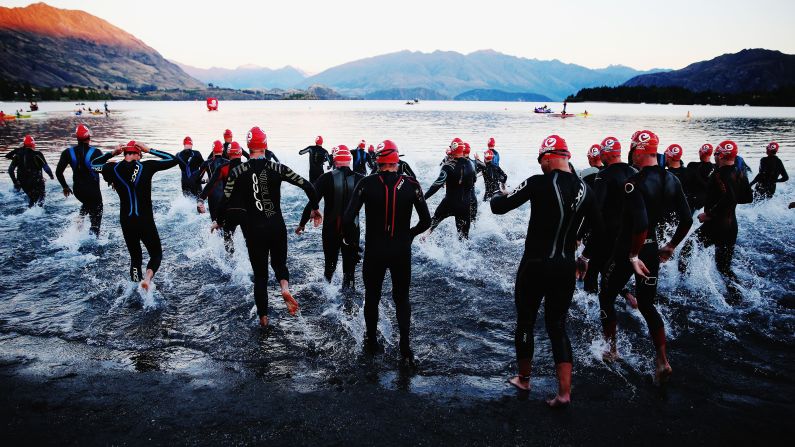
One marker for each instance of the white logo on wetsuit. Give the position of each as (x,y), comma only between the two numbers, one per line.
(580,194)
(400,183)
(519,188)
(135,173)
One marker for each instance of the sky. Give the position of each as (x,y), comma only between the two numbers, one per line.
(315,35)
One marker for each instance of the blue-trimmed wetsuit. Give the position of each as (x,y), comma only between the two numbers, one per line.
(190,163)
(132,181)
(85,180)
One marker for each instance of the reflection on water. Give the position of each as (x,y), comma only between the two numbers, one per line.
(58,282)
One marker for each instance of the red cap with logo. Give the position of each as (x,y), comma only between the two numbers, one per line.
(705,149)
(457,147)
(342,154)
(772,148)
(218,147)
(28,141)
(131,148)
(188,141)
(82,132)
(553,146)
(467,149)
(235,151)
(319,141)
(492,143)
(594,152)
(611,145)
(645,142)
(387,152)
(674,152)
(371,148)
(257,139)
(227,133)
(488,156)
(361,145)
(726,149)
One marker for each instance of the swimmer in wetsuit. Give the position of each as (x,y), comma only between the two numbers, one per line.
(132,180)
(229,218)
(698,177)
(771,172)
(254,187)
(559,201)
(190,162)
(85,180)
(26,169)
(388,199)
(318,158)
(494,177)
(648,196)
(458,176)
(336,189)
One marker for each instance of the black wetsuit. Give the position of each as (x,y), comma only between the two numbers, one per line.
(721,228)
(371,163)
(558,203)
(132,181)
(214,191)
(771,171)
(609,191)
(190,162)
(473,198)
(336,189)
(246,155)
(493,177)
(458,176)
(360,161)
(318,158)
(253,190)
(403,169)
(388,200)
(85,181)
(25,171)
(697,179)
(648,196)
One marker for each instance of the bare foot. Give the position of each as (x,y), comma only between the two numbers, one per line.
(559,401)
(631,300)
(663,374)
(292,304)
(520,382)
(263,321)
(145,285)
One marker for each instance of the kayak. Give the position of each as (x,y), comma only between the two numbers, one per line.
(9,117)
(584,115)
(23,116)
(97,113)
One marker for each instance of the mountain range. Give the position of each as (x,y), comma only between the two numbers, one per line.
(51,47)
(247,76)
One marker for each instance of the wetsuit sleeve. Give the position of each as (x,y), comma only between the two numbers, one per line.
(209,185)
(42,162)
(63,162)
(637,216)
(683,213)
(98,162)
(349,227)
(248,156)
(10,154)
(168,160)
(272,156)
(291,177)
(107,171)
(321,188)
(502,177)
(305,150)
(438,183)
(422,212)
(782,172)
(11,171)
(479,166)
(502,203)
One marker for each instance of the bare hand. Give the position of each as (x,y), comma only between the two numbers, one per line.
(119,149)
(67,192)
(665,253)
(214,227)
(582,268)
(703,217)
(142,146)
(299,229)
(639,267)
(477,157)
(317,218)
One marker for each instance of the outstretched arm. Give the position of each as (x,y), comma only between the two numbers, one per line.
(783,172)
(502,203)
(43,163)
(12,168)
(63,162)
(291,177)
(438,183)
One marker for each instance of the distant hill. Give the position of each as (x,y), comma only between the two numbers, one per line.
(499,95)
(247,76)
(754,70)
(51,47)
(450,73)
(407,93)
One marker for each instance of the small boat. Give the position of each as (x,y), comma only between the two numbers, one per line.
(542,110)
(22,116)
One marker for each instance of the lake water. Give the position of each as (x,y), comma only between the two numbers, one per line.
(66,294)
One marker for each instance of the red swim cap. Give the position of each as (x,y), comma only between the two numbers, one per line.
(674,152)
(467,149)
(488,156)
(82,132)
(28,141)
(319,141)
(342,154)
(234,151)
(594,152)
(553,146)
(132,148)
(257,139)
(645,142)
(227,133)
(705,149)
(362,145)
(611,145)
(456,147)
(772,148)
(187,142)
(726,149)
(218,147)
(387,152)
(492,143)
(371,148)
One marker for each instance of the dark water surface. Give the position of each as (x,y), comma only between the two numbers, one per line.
(66,306)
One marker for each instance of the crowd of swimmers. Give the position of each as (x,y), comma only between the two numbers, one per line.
(618,211)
